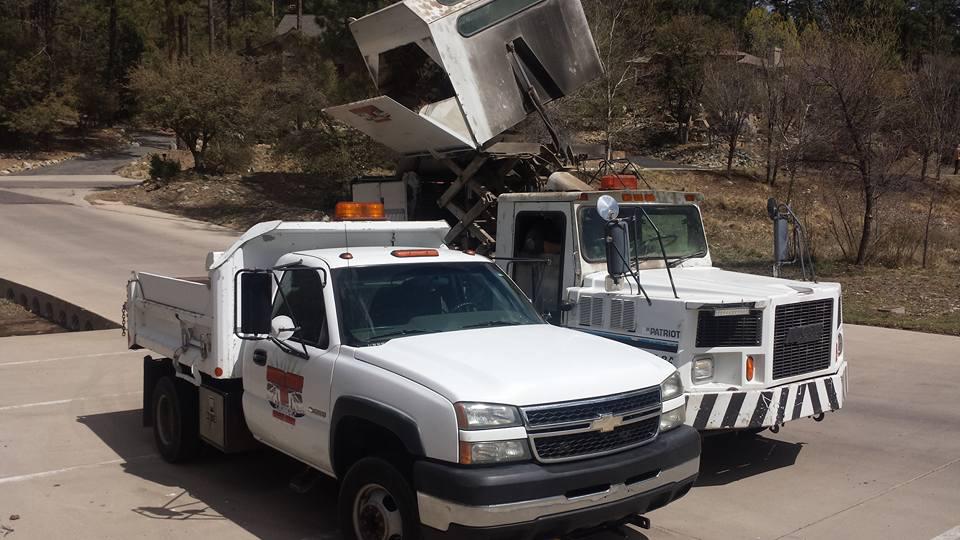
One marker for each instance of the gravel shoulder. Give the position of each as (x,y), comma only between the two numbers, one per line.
(16,321)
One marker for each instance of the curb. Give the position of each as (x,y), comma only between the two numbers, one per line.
(73,318)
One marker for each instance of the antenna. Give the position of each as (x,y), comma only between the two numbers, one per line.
(346,243)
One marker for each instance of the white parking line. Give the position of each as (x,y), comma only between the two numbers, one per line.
(62,401)
(44,474)
(45,360)
(952,534)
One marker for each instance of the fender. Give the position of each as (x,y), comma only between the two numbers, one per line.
(402,425)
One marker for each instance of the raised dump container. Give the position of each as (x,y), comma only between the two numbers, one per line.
(455,74)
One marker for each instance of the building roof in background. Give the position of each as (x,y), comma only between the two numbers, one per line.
(311,26)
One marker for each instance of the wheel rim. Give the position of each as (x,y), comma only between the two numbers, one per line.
(165,419)
(376,515)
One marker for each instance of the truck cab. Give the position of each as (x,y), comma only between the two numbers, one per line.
(419,376)
(754,352)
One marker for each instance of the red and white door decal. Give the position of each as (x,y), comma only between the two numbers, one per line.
(286,395)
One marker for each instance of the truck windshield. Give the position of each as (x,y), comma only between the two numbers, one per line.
(380,303)
(680,226)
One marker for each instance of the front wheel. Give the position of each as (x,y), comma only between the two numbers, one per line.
(377,503)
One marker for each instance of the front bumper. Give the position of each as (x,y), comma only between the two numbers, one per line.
(770,407)
(531,500)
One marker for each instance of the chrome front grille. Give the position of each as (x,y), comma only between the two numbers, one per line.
(593,443)
(802,338)
(595,427)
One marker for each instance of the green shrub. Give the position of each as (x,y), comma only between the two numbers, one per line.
(228,155)
(162,168)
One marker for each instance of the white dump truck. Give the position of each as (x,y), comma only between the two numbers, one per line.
(418,376)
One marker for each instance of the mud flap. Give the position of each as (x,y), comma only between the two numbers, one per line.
(153,371)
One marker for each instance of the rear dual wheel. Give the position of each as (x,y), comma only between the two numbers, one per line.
(176,423)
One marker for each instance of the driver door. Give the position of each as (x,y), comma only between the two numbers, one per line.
(543,246)
(287,384)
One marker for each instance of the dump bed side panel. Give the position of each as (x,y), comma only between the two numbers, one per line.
(173,318)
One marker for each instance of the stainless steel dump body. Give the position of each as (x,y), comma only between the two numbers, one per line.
(454,73)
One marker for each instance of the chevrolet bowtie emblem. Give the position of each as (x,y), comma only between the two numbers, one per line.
(606,423)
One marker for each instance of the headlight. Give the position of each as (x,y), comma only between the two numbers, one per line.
(702,369)
(673,419)
(489,452)
(476,416)
(672,387)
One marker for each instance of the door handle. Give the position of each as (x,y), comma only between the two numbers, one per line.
(260,357)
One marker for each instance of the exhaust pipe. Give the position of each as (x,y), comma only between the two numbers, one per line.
(640,521)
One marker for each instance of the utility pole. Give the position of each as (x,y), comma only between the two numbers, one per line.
(210,28)
(112,44)
(229,24)
(299,15)
(186,35)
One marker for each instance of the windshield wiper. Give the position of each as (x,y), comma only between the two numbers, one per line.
(677,262)
(491,324)
(383,338)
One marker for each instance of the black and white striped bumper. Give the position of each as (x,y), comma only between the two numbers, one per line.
(765,408)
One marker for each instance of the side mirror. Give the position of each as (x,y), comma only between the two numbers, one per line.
(618,248)
(781,240)
(253,298)
(567,307)
(773,208)
(608,208)
(282,328)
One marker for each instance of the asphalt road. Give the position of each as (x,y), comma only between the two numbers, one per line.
(653,164)
(106,163)
(75,461)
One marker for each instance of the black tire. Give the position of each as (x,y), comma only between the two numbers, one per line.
(750,432)
(176,423)
(373,496)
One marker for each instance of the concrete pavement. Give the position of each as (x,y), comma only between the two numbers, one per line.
(75,461)
(55,242)
(886,466)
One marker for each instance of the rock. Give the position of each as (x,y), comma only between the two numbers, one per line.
(14,517)
(893,311)
(5,171)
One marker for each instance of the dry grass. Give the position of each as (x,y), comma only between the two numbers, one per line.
(235,201)
(740,235)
